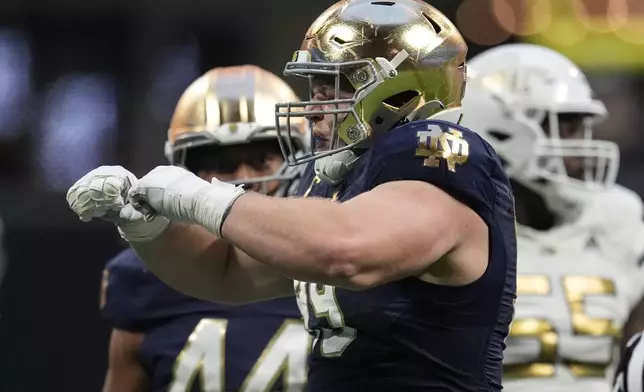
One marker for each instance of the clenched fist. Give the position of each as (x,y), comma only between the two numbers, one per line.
(102,193)
(180,195)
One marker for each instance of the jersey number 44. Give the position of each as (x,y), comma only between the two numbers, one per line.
(204,355)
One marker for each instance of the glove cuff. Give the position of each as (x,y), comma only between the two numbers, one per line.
(212,205)
(142,231)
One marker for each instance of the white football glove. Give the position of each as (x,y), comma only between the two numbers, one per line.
(180,195)
(102,194)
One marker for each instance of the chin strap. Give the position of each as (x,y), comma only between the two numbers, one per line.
(334,168)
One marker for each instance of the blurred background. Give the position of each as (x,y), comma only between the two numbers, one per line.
(89,83)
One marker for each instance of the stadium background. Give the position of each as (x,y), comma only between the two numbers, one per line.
(87,83)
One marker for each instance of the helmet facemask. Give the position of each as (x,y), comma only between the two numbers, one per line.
(358,104)
(203,152)
(224,125)
(567,154)
(543,140)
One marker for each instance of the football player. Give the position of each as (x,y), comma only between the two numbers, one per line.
(401,244)
(577,230)
(163,340)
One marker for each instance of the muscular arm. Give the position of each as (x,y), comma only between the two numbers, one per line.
(396,230)
(125,373)
(193,261)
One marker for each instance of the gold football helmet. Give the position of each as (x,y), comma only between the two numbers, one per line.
(401,59)
(231,106)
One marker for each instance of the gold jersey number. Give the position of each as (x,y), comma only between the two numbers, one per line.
(204,354)
(575,289)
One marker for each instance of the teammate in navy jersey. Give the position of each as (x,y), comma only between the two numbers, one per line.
(163,340)
(401,248)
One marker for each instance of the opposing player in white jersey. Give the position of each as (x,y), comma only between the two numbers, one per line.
(579,235)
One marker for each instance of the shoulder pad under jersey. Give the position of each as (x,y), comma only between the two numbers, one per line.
(441,153)
(134,299)
(617,214)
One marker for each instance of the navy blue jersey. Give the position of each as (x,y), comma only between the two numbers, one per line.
(410,335)
(194,345)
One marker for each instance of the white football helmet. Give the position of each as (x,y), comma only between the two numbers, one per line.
(232,106)
(514,97)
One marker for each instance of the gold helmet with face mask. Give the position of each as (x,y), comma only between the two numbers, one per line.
(401,60)
(231,108)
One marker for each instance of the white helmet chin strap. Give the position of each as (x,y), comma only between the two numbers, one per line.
(334,168)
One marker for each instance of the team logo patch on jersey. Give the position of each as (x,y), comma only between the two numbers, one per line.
(435,145)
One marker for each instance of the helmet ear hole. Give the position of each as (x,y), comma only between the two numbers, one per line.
(500,136)
(495,136)
(401,99)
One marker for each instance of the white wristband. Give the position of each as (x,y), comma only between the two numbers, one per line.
(142,231)
(213,203)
